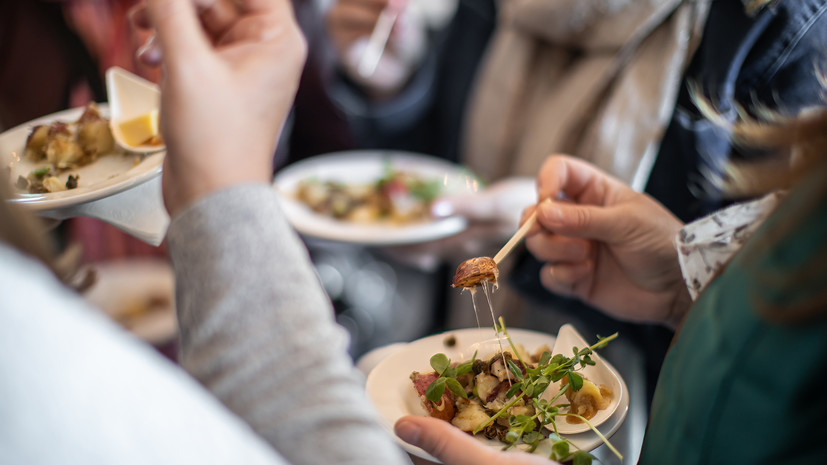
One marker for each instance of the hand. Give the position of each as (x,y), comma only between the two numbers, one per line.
(454,447)
(606,244)
(502,202)
(493,215)
(350,23)
(231,70)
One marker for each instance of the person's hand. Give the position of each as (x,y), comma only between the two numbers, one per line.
(493,215)
(502,202)
(454,447)
(350,23)
(231,70)
(606,244)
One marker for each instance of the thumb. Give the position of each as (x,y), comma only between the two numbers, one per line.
(574,220)
(179,30)
(451,445)
(443,440)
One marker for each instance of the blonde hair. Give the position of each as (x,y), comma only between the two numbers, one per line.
(791,145)
(800,145)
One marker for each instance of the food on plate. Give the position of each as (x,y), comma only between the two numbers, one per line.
(65,146)
(503,395)
(471,273)
(44,180)
(586,401)
(398,198)
(69,145)
(444,408)
(141,130)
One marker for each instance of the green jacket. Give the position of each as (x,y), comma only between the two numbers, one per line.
(740,388)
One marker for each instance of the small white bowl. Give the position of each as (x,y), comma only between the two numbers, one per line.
(599,373)
(130,96)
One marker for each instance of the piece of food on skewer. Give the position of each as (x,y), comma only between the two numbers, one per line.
(473,272)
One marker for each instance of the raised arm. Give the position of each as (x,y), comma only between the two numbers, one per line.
(257,328)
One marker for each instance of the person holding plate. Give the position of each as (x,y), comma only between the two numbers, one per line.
(268,379)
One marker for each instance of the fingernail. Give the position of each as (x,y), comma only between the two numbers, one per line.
(442,209)
(408,431)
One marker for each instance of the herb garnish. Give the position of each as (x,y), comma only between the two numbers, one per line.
(447,377)
(530,385)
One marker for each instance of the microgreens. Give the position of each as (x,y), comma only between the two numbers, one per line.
(529,383)
(447,377)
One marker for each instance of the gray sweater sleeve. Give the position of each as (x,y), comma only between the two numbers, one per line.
(259,332)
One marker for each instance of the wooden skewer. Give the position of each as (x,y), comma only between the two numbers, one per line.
(516,238)
(377,42)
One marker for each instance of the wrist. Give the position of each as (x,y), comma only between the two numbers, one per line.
(182,191)
(680,306)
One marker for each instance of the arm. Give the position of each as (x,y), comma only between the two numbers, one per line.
(257,329)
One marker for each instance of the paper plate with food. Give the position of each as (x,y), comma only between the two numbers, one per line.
(372,197)
(516,389)
(78,155)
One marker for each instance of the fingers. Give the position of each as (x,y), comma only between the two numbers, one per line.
(179,30)
(564,176)
(217,16)
(550,247)
(452,446)
(254,28)
(355,18)
(443,440)
(569,261)
(139,16)
(262,6)
(566,279)
(584,221)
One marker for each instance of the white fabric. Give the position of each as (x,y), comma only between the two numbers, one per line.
(75,389)
(257,331)
(706,245)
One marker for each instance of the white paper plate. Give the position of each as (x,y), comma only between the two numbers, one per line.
(360,167)
(390,388)
(107,176)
